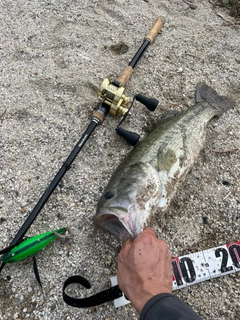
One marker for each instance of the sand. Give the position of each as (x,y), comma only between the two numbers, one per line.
(54,55)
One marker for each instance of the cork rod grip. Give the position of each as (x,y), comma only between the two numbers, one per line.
(158,24)
(125,75)
(127,72)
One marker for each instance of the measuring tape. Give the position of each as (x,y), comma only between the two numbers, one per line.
(197,267)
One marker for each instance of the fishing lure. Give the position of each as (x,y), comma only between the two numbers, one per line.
(29,247)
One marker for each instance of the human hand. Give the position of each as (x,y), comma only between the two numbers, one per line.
(144,268)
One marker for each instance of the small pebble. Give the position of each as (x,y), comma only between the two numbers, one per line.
(226,183)
(205,220)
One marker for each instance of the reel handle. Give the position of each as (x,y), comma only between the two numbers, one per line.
(127,72)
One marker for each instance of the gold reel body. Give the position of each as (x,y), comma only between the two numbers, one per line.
(112,93)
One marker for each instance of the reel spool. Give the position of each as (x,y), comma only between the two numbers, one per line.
(112,93)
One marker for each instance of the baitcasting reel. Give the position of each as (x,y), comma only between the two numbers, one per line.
(111,95)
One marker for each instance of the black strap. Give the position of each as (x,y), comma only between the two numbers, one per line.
(36,273)
(99,298)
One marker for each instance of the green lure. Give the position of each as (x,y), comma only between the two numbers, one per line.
(31,246)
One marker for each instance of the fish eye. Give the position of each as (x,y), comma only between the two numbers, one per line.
(109,195)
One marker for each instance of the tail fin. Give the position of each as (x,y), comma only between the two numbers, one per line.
(220,103)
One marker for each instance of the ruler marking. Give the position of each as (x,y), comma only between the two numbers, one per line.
(198,267)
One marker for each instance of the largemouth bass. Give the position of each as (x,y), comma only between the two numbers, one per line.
(151,173)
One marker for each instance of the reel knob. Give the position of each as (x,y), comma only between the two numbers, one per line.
(131,137)
(150,103)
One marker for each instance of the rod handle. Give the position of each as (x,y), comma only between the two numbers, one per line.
(125,75)
(127,72)
(157,26)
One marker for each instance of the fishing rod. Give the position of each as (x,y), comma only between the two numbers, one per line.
(111,100)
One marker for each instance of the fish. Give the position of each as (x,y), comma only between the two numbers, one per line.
(149,176)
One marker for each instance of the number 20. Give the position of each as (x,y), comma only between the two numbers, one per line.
(234,251)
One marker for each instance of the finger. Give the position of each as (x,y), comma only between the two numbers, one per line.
(146,238)
(127,245)
(163,250)
(149,231)
(162,244)
(127,242)
(148,235)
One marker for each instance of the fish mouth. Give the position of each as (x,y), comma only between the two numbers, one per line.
(115,220)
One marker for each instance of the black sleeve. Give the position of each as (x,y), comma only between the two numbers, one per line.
(166,306)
